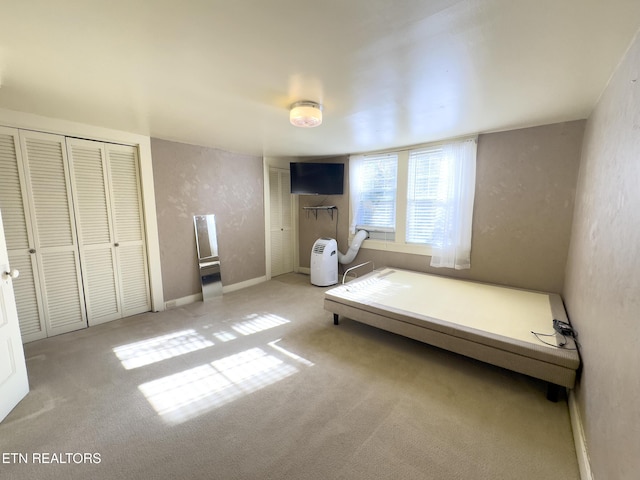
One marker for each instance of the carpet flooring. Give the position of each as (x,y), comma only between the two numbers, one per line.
(259,384)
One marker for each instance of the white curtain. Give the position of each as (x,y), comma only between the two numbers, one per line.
(454,250)
(355,188)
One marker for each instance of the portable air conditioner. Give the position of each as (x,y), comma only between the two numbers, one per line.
(324,262)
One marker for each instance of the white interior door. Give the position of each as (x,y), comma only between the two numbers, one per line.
(281,222)
(14,384)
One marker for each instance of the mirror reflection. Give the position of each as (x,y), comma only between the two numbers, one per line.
(208,259)
(206,238)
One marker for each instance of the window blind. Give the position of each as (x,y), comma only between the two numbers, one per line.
(426,194)
(376,202)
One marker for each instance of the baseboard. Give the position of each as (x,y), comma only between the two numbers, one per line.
(578,439)
(179,302)
(305,270)
(245,284)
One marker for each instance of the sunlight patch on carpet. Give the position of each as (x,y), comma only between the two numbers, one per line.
(290,354)
(156,349)
(255,323)
(152,350)
(188,394)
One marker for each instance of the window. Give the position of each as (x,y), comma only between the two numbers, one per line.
(426,192)
(417,201)
(375,179)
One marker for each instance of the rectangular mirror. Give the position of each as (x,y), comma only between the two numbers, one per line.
(208,259)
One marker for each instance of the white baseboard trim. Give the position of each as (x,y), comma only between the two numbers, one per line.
(197,297)
(179,302)
(305,270)
(245,284)
(578,439)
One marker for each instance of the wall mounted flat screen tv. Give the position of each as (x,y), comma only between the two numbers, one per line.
(309,178)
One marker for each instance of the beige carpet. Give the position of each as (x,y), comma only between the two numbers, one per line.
(260,384)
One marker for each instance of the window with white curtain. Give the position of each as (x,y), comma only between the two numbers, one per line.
(417,201)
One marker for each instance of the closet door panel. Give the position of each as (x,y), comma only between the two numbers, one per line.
(100,283)
(65,309)
(95,235)
(48,186)
(133,268)
(49,192)
(88,172)
(19,237)
(27,300)
(129,234)
(127,202)
(11,202)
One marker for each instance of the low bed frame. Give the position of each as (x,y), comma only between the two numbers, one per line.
(490,323)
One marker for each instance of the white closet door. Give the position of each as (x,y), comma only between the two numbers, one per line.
(95,233)
(56,250)
(108,203)
(19,237)
(281,222)
(126,199)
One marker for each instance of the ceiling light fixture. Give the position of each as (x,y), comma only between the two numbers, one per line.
(305,114)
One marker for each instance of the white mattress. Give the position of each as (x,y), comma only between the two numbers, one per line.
(503,311)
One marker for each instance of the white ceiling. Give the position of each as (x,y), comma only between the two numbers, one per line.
(389,72)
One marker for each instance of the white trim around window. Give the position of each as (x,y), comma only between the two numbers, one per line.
(393,238)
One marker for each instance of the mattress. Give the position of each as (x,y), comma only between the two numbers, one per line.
(487,322)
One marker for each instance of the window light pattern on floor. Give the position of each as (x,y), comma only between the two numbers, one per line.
(255,323)
(185,395)
(156,349)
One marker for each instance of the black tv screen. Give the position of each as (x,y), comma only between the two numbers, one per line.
(317,178)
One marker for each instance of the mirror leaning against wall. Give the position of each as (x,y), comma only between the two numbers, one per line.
(208,258)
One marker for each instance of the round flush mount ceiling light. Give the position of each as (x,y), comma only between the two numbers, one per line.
(306,114)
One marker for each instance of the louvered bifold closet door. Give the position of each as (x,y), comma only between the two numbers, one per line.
(95,233)
(108,201)
(56,249)
(19,237)
(131,254)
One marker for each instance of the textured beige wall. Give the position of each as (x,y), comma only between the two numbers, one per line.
(525,187)
(191,180)
(311,228)
(525,192)
(602,290)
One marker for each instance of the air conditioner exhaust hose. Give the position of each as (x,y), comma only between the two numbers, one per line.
(353,248)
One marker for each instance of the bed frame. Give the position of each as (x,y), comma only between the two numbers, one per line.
(490,323)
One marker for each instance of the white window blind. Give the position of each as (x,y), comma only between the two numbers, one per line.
(374,181)
(426,195)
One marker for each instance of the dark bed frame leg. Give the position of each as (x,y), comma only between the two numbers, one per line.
(335,319)
(553,392)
